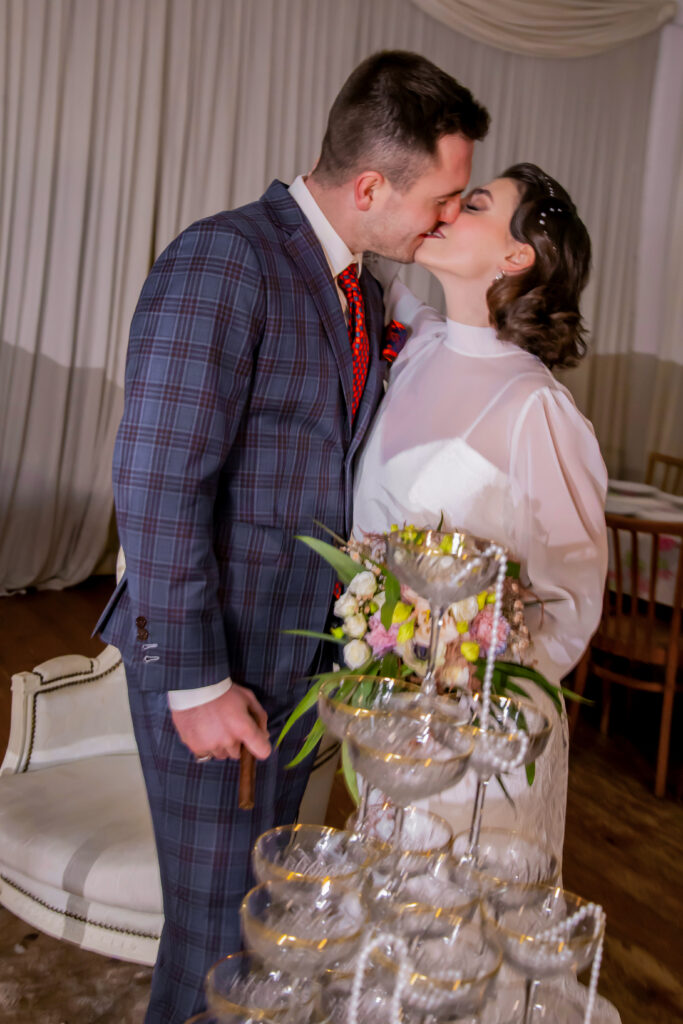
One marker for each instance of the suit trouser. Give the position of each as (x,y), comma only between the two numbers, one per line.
(204,845)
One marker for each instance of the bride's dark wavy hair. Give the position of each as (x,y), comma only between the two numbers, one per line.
(538,308)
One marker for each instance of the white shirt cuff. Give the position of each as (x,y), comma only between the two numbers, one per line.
(181,700)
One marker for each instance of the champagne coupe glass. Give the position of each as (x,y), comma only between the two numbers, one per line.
(425,905)
(355,697)
(303,927)
(424,837)
(449,977)
(516,735)
(314,852)
(242,984)
(505,857)
(552,933)
(442,568)
(399,755)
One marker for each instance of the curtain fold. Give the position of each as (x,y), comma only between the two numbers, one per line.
(123,122)
(552,28)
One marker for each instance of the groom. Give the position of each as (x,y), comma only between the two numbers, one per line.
(253,373)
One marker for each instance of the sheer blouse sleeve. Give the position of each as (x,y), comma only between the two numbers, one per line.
(561,481)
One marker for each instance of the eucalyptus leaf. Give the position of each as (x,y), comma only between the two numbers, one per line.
(530,772)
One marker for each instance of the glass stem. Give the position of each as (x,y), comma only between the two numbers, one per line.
(477,813)
(364,795)
(395,879)
(531,987)
(429,682)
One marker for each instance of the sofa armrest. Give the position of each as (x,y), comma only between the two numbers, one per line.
(67,709)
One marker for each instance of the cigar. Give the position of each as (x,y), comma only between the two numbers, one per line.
(245,794)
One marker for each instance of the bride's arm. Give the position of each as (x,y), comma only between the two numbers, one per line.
(560,475)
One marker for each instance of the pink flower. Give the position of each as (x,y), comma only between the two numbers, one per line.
(380,639)
(480,630)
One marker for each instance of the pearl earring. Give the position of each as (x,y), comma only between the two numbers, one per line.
(499,276)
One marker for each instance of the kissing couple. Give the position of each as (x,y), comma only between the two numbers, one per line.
(255,406)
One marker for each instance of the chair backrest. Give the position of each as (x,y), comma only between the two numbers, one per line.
(646,560)
(665,472)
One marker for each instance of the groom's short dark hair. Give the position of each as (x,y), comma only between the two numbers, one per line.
(390,114)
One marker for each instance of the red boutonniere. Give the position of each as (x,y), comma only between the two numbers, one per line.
(395,337)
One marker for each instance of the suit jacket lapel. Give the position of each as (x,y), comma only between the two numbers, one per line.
(307,253)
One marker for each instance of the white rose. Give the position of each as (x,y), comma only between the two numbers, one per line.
(345,606)
(356,654)
(465,610)
(380,598)
(355,626)
(363,585)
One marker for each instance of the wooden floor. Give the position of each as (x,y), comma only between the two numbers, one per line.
(624,848)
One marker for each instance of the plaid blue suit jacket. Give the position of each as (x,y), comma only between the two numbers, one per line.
(236,435)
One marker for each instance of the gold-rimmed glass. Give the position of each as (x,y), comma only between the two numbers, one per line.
(303,927)
(243,984)
(442,568)
(424,837)
(309,853)
(348,699)
(400,755)
(505,857)
(426,905)
(452,975)
(522,923)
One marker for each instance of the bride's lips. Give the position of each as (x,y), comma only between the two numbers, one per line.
(436,233)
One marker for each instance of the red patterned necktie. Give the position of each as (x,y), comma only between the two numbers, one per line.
(358,335)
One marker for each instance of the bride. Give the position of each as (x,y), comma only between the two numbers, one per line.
(475,427)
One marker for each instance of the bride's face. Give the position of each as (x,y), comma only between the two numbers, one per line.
(478,243)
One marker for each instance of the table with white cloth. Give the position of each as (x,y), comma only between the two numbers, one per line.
(642,501)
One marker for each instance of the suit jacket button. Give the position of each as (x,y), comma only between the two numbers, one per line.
(141,622)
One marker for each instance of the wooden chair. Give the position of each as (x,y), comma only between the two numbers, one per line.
(665,472)
(638,630)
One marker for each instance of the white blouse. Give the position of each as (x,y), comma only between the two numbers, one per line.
(479,430)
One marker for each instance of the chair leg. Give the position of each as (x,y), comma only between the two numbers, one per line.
(606,703)
(665,730)
(580,677)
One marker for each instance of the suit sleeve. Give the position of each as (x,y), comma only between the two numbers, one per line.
(188,375)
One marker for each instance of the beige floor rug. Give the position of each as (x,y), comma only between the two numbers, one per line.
(45,981)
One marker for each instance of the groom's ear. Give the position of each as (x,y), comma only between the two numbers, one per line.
(520,258)
(365,186)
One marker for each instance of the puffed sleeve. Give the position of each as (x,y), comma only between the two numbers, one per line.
(560,482)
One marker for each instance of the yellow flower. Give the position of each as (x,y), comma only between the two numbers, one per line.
(462,626)
(405,632)
(470,650)
(490,598)
(481,599)
(401,612)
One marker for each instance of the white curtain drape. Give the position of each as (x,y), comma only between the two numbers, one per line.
(123,122)
(552,28)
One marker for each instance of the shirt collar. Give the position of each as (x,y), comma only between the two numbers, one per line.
(477,341)
(337,252)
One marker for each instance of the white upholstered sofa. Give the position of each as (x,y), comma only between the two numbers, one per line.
(77,855)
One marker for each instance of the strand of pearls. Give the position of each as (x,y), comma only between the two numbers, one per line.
(400,946)
(556,932)
(493,549)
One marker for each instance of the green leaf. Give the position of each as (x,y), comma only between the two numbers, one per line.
(343,564)
(332,534)
(572,695)
(512,570)
(507,796)
(389,666)
(393,591)
(311,741)
(304,705)
(349,773)
(510,687)
(316,636)
(530,772)
(440,526)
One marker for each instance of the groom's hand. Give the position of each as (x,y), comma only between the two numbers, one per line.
(221,726)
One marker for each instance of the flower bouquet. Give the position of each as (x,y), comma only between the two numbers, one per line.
(384,630)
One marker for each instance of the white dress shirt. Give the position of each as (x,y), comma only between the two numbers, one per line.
(338,256)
